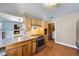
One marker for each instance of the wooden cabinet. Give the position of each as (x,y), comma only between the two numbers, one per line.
(38,22)
(29,48)
(27,22)
(29,52)
(33,46)
(25,49)
(44,24)
(46,38)
(15,51)
(34,22)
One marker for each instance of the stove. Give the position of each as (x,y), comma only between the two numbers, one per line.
(40,43)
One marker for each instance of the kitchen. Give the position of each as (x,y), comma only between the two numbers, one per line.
(39,29)
(24,37)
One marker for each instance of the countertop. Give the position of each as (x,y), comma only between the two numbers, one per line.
(4,43)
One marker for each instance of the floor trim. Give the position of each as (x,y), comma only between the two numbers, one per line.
(66,45)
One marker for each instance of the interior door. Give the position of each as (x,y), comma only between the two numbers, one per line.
(51,29)
(49,32)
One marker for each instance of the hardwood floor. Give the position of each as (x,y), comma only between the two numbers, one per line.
(54,49)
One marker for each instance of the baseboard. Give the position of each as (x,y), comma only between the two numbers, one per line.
(66,45)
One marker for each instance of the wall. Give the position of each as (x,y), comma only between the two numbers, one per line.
(0,31)
(66,29)
(8,22)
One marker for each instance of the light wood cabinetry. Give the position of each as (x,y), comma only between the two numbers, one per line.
(29,52)
(27,22)
(33,46)
(38,22)
(26,48)
(14,50)
(44,24)
(34,22)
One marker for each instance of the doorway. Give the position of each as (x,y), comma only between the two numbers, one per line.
(51,31)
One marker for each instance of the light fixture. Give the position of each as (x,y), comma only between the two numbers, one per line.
(51,4)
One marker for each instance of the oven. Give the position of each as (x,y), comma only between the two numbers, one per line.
(40,43)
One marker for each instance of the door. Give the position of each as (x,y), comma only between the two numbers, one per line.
(49,32)
(51,29)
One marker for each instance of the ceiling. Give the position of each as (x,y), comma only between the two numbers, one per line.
(38,10)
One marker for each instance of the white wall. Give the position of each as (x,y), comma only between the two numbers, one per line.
(0,31)
(66,29)
(11,18)
(8,22)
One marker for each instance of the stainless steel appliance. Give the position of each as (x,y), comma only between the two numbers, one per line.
(45,31)
(40,43)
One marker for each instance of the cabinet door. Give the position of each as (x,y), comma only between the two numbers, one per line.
(38,22)
(25,50)
(15,52)
(33,46)
(27,22)
(44,24)
(45,39)
(34,22)
(29,48)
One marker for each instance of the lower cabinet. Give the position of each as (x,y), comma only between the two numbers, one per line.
(27,48)
(14,52)
(33,46)
(29,52)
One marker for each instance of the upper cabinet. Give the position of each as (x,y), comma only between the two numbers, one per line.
(27,22)
(44,24)
(34,21)
(38,22)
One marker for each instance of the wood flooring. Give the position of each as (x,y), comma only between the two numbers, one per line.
(54,49)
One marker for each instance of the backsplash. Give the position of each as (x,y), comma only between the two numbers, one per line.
(37,31)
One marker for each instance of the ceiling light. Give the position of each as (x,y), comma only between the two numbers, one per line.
(51,4)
